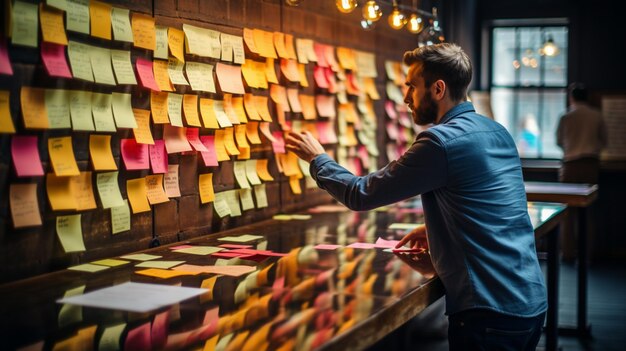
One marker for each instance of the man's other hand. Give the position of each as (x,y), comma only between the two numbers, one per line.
(416,238)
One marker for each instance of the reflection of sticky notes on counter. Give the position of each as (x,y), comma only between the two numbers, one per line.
(62,156)
(102,112)
(171,181)
(123,67)
(154,189)
(25,156)
(120,218)
(175,139)
(205,187)
(143,134)
(80,60)
(123,110)
(25,25)
(24,205)
(134,155)
(109,190)
(137,195)
(229,77)
(110,339)
(144,32)
(158,157)
(33,103)
(52,29)
(70,233)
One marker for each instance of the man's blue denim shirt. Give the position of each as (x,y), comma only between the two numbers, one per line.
(481,240)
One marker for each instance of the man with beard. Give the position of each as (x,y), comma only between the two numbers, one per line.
(467,170)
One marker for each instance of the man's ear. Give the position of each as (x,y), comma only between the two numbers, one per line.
(439,89)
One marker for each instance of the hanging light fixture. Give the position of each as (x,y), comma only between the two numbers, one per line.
(415,23)
(396,19)
(371,11)
(435,33)
(367,24)
(293,2)
(346,6)
(549,47)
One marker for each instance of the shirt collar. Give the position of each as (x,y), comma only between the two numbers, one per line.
(457,110)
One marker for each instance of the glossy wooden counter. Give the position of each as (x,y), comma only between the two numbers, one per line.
(341,299)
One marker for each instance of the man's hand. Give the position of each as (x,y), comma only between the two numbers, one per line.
(416,238)
(304,145)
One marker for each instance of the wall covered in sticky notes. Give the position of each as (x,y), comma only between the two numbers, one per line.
(124,124)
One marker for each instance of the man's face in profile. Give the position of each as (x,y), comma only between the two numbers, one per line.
(419,98)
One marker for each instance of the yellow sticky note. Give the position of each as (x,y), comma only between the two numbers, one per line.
(264,42)
(78,16)
(175,71)
(239,109)
(100,152)
(161,47)
(140,257)
(123,110)
(100,59)
(80,60)
(137,195)
(70,233)
(24,205)
(6,121)
(220,148)
(60,193)
(109,190)
(57,107)
(120,218)
(120,23)
(100,14)
(110,262)
(33,102)
(52,28)
(294,184)
(251,173)
(250,107)
(123,67)
(83,191)
(229,141)
(158,105)
(154,189)
(174,109)
(25,26)
(190,109)
(205,187)
(208,114)
(144,32)
(89,268)
(143,134)
(175,40)
(270,71)
(62,156)
(208,284)
(161,75)
(262,171)
(240,136)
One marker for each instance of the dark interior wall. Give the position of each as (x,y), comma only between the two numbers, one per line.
(27,252)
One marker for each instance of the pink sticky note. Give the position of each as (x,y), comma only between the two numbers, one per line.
(385,244)
(175,139)
(25,155)
(228,254)
(320,52)
(326,247)
(53,57)
(159,329)
(209,156)
(390,108)
(277,287)
(330,78)
(139,339)
(320,77)
(364,156)
(229,77)
(279,144)
(5,63)
(146,76)
(158,157)
(326,132)
(135,156)
(210,322)
(193,136)
(362,245)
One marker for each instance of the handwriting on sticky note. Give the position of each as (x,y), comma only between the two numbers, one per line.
(109,190)
(24,205)
(62,156)
(69,232)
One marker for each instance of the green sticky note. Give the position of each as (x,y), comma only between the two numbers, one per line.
(120,22)
(57,107)
(25,24)
(80,110)
(88,267)
(80,60)
(77,16)
(120,218)
(174,108)
(70,314)
(70,233)
(110,262)
(241,238)
(123,67)
(123,111)
(141,257)
(59,4)
(110,339)
(100,59)
(261,196)
(245,195)
(232,199)
(199,250)
(109,190)
(220,206)
(161,50)
(159,264)
(102,112)
(403,226)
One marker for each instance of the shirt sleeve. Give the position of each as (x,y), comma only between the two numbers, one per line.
(421,169)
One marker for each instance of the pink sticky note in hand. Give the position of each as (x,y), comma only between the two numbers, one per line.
(326,247)
(158,157)
(25,155)
(362,245)
(386,244)
(135,156)
(209,156)
(53,57)
(5,63)
(146,75)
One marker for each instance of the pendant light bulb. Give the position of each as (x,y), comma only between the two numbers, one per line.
(371,11)
(397,20)
(415,24)
(549,48)
(346,6)
(293,2)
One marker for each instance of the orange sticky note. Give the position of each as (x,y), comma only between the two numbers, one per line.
(176,41)
(227,104)
(290,48)
(24,205)
(265,129)
(307,102)
(143,134)
(62,156)
(262,171)
(262,107)
(83,191)
(100,152)
(220,148)
(154,189)
(229,141)
(60,193)
(278,94)
(52,28)
(100,16)
(208,284)
(158,105)
(144,32)
(33,102)
(229,78)
(264,42)
(208,114)
(249,73)
(304,82)
(6,121)
(205,187)
(294,184)
(190,110)
(270,71)
(161,75)
(252,132)
(289,68)
(240,136)
(137,195)
(237,103)
(248,38)
(279,44)
(250,107)
(163,273)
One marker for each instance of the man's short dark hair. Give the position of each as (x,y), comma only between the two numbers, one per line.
(577,91)
(443,61)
